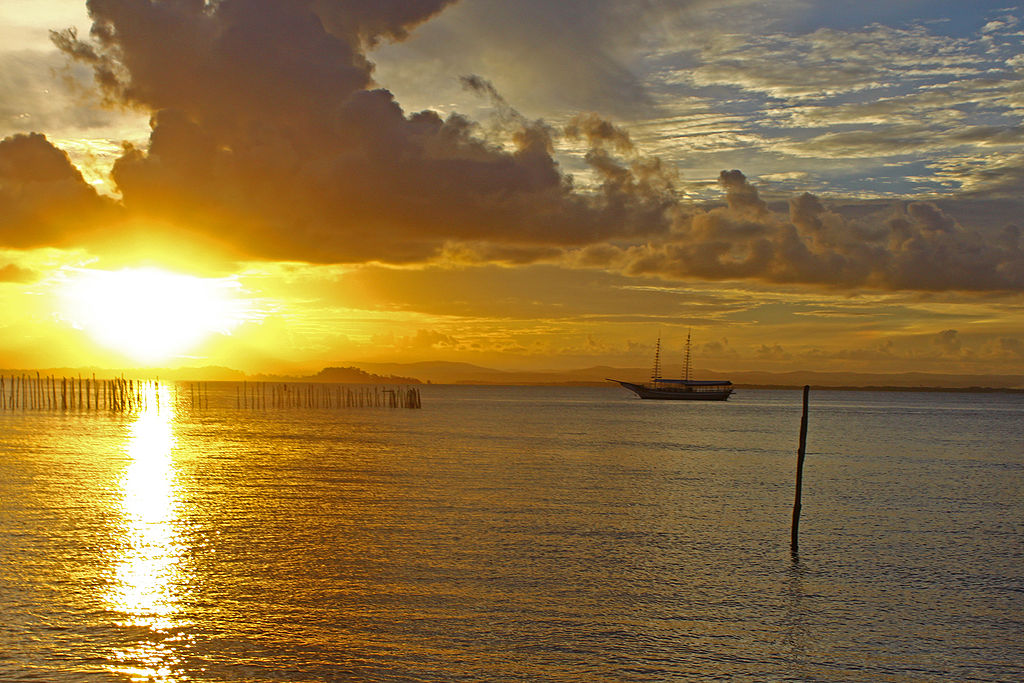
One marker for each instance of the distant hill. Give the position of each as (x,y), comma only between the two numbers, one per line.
(440,372)
(443,372)
(466,373)
(343,375)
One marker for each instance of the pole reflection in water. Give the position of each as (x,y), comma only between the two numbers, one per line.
(797,633)
(145,592)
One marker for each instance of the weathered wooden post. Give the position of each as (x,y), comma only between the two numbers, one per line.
(794,542)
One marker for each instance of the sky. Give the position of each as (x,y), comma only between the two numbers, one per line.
(282,185)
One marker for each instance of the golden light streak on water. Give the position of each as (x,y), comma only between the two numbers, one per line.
(147,578)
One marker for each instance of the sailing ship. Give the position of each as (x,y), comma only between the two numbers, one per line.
(684,389)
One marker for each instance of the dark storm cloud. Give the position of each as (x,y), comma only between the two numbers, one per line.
(236,62)
(370,22)
(917,247)
(43,198)
(269,133)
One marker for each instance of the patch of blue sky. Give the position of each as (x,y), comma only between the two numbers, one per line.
(954,18)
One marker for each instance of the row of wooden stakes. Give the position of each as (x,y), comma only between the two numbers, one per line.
(36,393)
(51,393)
(264,395)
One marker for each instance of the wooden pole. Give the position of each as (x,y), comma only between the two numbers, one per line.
(794,542)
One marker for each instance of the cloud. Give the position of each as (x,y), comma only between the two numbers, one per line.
(422,340)
(916,247)
(14,273)
(34,97)
(428,339)
(775,352)
(567,56)
(229,63)
(269,134)
(994,176)
(1010,347)
(866,108)
(829,62)
(43,198)
(367,23)
(524,293)
(946,350)
(718,349)
(948,341)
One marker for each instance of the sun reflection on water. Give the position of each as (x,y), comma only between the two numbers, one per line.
(147,579)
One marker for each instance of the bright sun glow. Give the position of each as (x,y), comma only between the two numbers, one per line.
(150,314)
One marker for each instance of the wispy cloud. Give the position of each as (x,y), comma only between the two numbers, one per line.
(865,96)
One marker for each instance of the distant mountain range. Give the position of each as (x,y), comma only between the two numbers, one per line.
(443,372)
(440,372)
(344,375)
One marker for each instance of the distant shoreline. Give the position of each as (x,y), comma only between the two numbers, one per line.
(759,387)
(957,390)
(469,375)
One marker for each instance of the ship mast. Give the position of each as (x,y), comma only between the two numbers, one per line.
(686,358)
(656,372)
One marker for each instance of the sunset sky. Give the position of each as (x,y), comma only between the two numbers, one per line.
(280,185)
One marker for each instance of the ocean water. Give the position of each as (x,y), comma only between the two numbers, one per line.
(516,534)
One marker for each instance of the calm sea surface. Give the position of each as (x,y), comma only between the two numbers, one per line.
(516,534)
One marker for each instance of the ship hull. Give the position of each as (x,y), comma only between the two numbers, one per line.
(676,394)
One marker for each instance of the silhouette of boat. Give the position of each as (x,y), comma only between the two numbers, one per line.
(684,389)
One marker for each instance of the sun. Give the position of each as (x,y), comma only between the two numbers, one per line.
(148,314)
